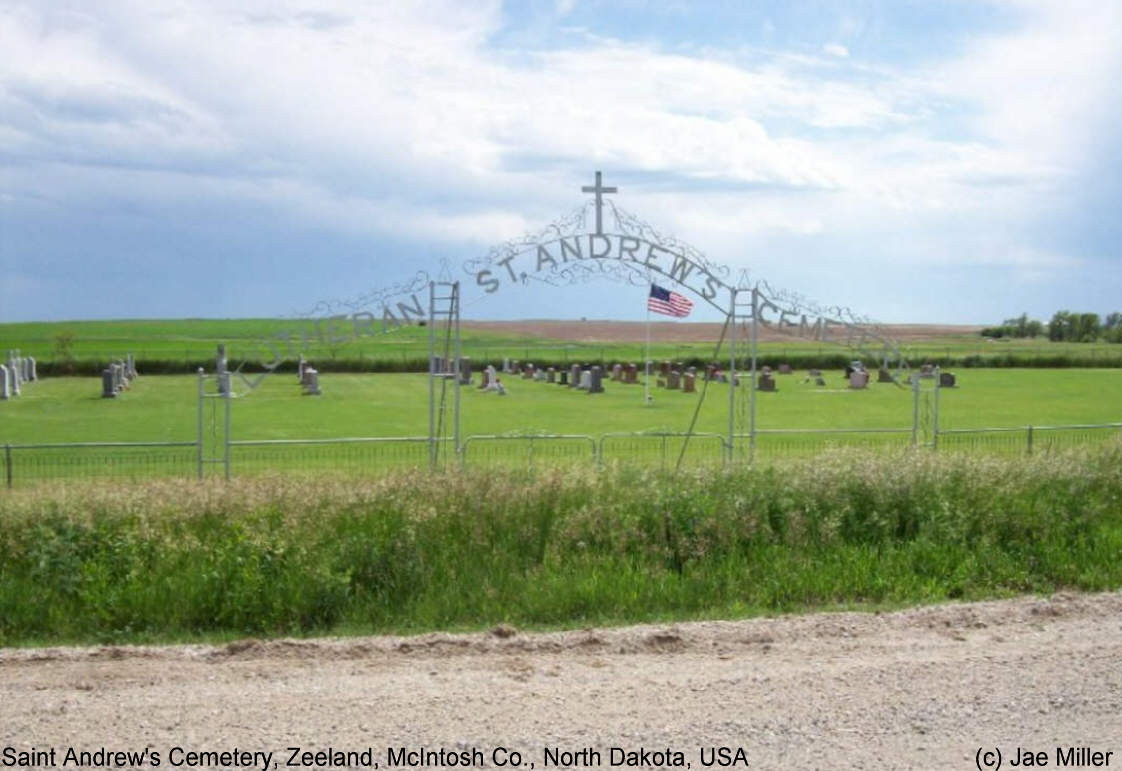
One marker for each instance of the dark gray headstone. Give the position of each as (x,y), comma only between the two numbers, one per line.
(108,384)
(766,382)
(594,384)
(946,380)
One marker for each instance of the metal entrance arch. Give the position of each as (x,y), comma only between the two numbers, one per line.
(576,249)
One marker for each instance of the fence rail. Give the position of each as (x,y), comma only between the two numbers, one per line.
(26,464)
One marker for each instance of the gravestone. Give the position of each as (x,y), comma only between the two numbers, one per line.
(585,380)
(4,387)
(574,376)
(859,379)
(310,383)
(710,371)
(632,376)
(617,372)
(785,369)
(26,364)
(766,382)
(594,384)
(108,384)
(927,370)
(465,370)
(132,366)
(946,380)
(550,375)
(564,380)
(515,368)
(528,371)
(506,366)
(692,371)
(820,381)
(673,380)
(486,377)
(688,382)
(884,376)
(664,368)
(14,372)
(539,375)
(300,369)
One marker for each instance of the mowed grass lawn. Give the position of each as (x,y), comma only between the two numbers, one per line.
(163,408)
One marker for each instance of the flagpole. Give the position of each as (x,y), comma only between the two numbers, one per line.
(647,357)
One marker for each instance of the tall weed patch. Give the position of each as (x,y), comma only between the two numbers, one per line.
(283,556)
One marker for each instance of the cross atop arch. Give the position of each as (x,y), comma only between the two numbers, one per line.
(599,189)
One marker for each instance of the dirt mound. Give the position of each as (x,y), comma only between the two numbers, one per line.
(919,688)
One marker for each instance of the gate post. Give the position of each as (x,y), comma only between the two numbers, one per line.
(199,435)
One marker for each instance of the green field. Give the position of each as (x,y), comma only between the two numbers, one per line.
(164,408)
(193,340)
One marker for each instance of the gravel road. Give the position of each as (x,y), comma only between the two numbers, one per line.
(921,688)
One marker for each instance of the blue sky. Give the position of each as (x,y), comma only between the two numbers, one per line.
(949,162)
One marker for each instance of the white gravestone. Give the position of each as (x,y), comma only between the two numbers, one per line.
(311,382)
(585,379)
(4,388)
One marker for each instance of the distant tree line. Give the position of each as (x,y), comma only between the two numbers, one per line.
(1065,326)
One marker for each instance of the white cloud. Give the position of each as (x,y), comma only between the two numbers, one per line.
(401,119)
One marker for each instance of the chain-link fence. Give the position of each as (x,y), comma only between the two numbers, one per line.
(28,464)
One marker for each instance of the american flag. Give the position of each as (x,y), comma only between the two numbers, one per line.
(668,303)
